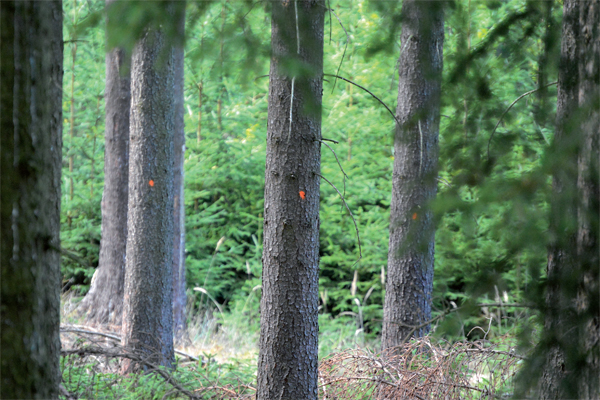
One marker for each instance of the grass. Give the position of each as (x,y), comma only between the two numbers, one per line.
(226,345)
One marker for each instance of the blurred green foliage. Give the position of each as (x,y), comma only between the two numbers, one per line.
(492,208)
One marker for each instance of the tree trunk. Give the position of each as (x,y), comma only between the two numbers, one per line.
(104,302)
(148,311)
(411,251)
(31,158)
(179,297)
(570,344)
(561,255)
(288,349)
(588,294)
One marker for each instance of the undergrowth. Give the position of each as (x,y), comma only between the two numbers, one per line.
(217,360)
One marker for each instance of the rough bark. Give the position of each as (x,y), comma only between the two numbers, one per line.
(288,348)
(147,309)
(104,302)
(31,155)
(179,297)
(570,344)
(411,248)
(588,294)
(563,206)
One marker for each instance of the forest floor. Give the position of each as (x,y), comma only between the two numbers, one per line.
(217,359)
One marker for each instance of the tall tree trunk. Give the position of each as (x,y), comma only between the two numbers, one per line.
(179,297)
(588,185)
(570,342)
(288,349)
(31,156)
(104,302)
(147,309)
(561,255)
(410,259)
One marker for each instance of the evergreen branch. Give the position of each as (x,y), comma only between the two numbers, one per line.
(368,91)
(511,106)
(351,216)
(75,257)
(497,31)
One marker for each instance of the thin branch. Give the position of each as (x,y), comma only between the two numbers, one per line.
(345,47)
(340,165)
(69,329)
(516,305)
(351,216)
(137,358)
(336,157)
(511,106)
(499,352)
(368,91)
(330,140)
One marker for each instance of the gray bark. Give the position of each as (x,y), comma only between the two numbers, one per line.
(570,344)
(31,156)
(147,310)
(563,207)
(179,296)
(588,294)
(411,248)
(288,348)
(104,302)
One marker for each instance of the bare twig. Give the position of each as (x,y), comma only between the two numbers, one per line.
(121,352)
(516,305)
(336,157)
(511,106)
(72,329)
(419,370)
(368,91)
(351,216)
(345,47)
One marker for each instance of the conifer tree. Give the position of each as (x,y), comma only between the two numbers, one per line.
(30,167)
(409,282)
(288,348)
(103,304)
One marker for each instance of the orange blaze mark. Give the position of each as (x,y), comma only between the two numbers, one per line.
(303,194)
(151,182)
(415,216)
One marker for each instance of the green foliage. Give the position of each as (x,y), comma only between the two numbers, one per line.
(83,113)
(89,380)
(491,211)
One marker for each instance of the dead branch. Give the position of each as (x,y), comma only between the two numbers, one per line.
(351,215)
(121,352)
(72,329)
(368,91)
(511,106)
(420,370)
